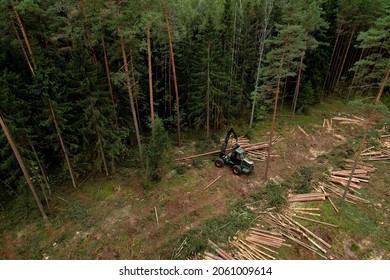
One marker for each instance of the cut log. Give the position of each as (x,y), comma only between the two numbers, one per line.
(304,132)
(212,182)
(315,221)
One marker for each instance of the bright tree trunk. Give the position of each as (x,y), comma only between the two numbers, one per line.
(22,47)
(330,63)
(62,145)
(354,77)
(24,35)
(296,93)
(344,58)
(106,67)
(136,87)
(337,62)
(274,114)
(131,96)
(174,79)
(44,176)
(102,153)
(23,168)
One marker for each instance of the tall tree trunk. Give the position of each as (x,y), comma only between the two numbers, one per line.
(106,67)
(208,94)
(23,167)
(296,92)
(337,62)
(150,77)
(174,78)
(136,88)
(108,73)
(62,144)
(330,63)
(354,77)
(284,93)
(43,173)
(131,96)
(169,89)
(345,57)
(22,47)
(24,34)
(268,159)
(268,6)
(102,153)
(87,33)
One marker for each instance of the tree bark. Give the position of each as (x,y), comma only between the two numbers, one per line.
(131,96)
(174,79)
(337,62)
(330,63)
(136,87)
(24,34)
(354,77)
(345,57)
(267,12)
(297,86)
(102,153)
(87,33)
(22,47)
(62,144)
(150,77)
(23,167)
(42,169)
(108,73)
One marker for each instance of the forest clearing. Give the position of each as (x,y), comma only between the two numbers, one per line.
(114,115)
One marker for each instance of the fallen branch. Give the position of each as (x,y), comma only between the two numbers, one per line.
(315,221)
(304,132)
(212,182)
(155,211)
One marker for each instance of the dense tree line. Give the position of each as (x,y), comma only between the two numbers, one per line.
(85,84)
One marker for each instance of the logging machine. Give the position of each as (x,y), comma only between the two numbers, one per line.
(237,160)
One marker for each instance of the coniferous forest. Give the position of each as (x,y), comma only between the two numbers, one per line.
(88,87)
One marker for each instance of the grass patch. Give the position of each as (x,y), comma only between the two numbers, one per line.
(218,230)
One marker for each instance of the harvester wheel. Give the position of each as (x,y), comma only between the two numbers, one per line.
(236,170)
(219,162)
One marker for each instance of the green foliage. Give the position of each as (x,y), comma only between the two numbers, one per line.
(217,229)
(302,180)
(157,154)
(273,194)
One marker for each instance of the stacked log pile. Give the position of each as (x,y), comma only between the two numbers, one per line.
(378,154)
(222,254)
(295,232)
(257,244)
(353,120)
(360,165)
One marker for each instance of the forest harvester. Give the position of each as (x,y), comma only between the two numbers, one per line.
(238,162)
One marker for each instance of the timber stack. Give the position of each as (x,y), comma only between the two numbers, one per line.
(353,120)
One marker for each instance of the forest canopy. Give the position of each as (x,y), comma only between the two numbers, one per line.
(85,85)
